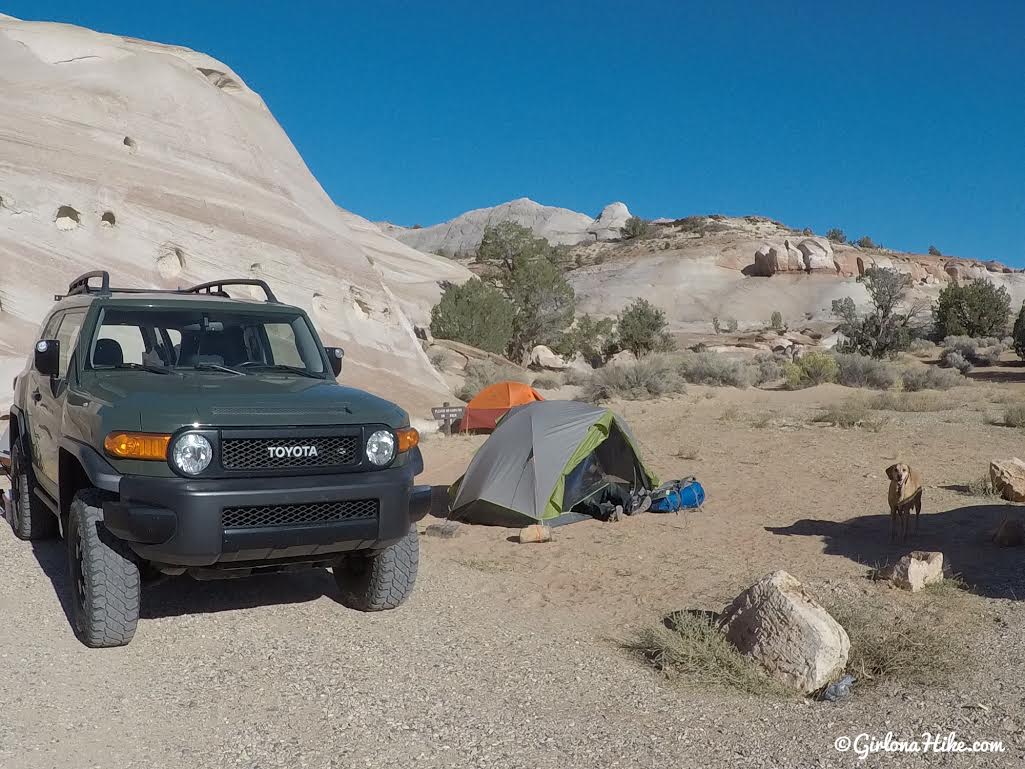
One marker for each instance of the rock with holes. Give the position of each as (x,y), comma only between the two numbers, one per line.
(176,173)
(917,570)
(1008,478)
(778,623)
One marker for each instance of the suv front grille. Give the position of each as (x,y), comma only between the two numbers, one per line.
(274,454)
(259,516)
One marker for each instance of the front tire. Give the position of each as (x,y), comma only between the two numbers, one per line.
(104,581)
(381,580)
(30,518)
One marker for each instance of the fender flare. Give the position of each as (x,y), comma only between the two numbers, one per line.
(101,475)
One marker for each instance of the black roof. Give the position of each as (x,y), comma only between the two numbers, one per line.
(81,286)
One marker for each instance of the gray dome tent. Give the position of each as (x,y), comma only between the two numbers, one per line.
(542,460)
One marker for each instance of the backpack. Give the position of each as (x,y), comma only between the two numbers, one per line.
(674,496)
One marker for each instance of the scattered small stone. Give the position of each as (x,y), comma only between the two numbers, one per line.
(917,569)
(535,534)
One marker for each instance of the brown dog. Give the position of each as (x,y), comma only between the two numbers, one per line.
(905,494)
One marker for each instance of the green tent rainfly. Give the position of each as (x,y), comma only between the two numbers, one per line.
(542,459)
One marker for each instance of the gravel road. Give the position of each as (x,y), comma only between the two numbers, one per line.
(477,670)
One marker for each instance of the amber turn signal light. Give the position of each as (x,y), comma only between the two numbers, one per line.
(152,446)
(408,437)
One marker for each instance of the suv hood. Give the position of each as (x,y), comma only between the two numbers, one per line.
(164,403)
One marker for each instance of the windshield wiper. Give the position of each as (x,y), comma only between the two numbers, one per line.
(282,367)
(153,369)
(217,367)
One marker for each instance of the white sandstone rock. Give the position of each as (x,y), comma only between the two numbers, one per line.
(918,569)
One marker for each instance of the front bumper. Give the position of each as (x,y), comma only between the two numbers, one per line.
(177,521)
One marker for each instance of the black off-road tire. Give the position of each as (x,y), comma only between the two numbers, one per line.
(103,579)
(29,517)
(381,580)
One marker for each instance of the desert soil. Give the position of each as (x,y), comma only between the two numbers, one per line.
(511,655)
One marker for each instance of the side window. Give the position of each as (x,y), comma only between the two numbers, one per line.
(67,335)
(50,327)
(282,344)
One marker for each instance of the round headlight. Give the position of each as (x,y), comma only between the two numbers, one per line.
(381,448)
(192,454)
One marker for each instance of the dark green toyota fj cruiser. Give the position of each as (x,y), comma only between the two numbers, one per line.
(171,432)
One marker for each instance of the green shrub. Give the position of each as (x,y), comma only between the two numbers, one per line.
(933,251)
(955,360)
(475,314)
(437,359)
(636,227)
(643,379)
(481,373)
(776,322)
(594,339)
(1018,334)
(885,330)
(861,371)
(981,351)
(642,328)
(813,368)
(915,378)
(975,309)
(866,242)
(836,235)
(526,269)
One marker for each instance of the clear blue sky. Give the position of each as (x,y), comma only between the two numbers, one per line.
(901,120)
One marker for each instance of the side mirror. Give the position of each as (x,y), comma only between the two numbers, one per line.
(336,355)
(47,357)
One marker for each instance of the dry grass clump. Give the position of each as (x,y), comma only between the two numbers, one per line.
(813,368)
(690,649)
(980,351)
(709,368)
(982,487)
(481,373)
(915,378)
(909,402)
(1014,415)
(546,382)
(649,377)
(923,638)
(850,414)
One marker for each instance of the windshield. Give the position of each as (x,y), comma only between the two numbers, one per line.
(231,340)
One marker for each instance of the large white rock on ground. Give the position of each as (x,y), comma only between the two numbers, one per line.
(161,165)
(779,624)
(1008,478)
(918,569)
(817,255)
(543,357)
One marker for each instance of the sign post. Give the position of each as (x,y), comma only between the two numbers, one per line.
(447,415)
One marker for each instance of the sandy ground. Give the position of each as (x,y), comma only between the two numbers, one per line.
(510,655)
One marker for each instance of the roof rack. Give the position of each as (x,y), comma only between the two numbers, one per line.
(216,287)
(80,285)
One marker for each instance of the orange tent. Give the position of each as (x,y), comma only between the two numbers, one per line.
(491,403)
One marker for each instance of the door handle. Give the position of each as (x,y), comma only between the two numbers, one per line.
(37,396)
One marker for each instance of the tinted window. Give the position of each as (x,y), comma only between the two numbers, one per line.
(184,338)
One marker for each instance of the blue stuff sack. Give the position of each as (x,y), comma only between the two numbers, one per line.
(677,495)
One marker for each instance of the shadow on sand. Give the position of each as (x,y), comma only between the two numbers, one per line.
(178,596)
(963,535)
(1005,372)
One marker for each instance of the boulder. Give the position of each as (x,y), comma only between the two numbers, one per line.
(817,255)
(543,357)
(622,357)
(424,333)
(1011,533)
(777,622)
(1008,479)
(771,258)
(535,534)
(917,569)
